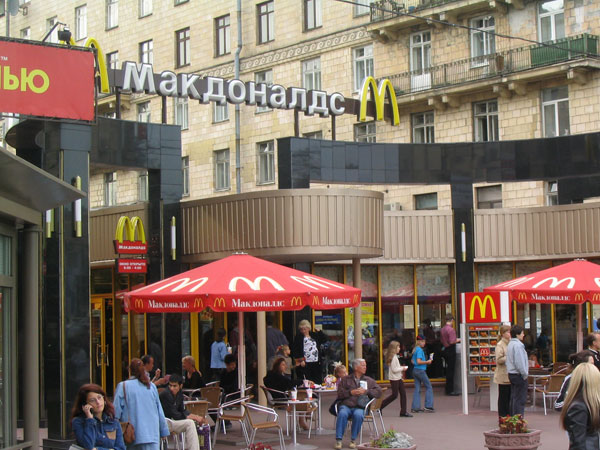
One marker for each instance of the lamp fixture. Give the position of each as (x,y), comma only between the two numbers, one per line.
(77,226)
(173,239)
(463,241)
(65,35)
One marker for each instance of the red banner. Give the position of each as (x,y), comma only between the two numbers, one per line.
(482,307)
(131,247)
(132,266)
(46,81)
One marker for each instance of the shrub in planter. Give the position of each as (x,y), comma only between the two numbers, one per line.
(391,439)
(512,434)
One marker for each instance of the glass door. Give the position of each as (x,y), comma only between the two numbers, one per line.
(104,352)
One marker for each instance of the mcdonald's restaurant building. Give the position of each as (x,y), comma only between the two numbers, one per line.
(343,198)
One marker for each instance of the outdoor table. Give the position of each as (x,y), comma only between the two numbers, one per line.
(294,444)
(319,393)
(536,374)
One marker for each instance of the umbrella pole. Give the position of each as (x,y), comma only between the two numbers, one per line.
(241,355)
(358,353)
(579,330)
(261,344)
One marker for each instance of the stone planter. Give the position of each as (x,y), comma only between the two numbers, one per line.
(368,447)
(494,440)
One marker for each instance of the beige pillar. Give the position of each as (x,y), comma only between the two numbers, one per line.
(261,345)
(358,353)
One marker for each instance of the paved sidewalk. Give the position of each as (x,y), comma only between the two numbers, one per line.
(446,429)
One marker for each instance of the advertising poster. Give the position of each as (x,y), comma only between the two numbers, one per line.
(368,323)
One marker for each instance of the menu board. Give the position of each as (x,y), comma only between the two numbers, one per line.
(482,340)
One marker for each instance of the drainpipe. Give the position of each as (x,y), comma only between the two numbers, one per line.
(238,158)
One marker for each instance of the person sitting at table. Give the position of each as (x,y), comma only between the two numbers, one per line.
(283,351)
(183,421)
(276,379)
(584,356)
(339,372)
(192,377)
(354,392)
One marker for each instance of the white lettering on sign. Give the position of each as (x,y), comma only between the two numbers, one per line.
(239,303)
(335,301)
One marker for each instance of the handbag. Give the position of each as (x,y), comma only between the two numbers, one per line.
(332,408)
(127,427)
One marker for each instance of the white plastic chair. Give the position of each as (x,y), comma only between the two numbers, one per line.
(178,438)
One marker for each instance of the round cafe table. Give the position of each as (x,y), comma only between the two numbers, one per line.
(295,444)
(319,394)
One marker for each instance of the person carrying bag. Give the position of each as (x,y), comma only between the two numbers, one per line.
(127,427)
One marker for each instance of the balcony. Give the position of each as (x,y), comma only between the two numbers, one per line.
(389,9)
(580,53)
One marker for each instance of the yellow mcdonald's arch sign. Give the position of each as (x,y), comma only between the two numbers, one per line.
(139,303)
(219,302)
(100,61)
(522,296)
(596,297)
(316,300)
(476,300)
(198,303)
(579,297)
(378,95)
(126,228)
(296,301)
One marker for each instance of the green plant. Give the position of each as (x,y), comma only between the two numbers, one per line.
(512,424)
(260,446)
(393,439)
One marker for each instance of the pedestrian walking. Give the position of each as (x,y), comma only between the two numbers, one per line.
(395,375)
(420,363)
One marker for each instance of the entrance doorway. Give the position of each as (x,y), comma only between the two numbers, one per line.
(106,343)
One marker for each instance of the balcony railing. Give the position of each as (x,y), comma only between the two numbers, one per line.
(493,65)
(388,9)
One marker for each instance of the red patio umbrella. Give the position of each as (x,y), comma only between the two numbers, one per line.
(241,283)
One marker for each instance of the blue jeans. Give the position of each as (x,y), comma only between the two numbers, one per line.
(421,378)
(344,413)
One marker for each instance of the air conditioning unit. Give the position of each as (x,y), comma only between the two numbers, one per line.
(392,206)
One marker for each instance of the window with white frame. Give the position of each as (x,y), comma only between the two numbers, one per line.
(143,112)
(423,128)
(314,135)
(147,52)
(110,189)
(420,51)
(264,77)
(361,7)
(365,132)
(220,112)
(551,20)
(485,116)
(222,35)
(311,74)
(489,197)
(145,8)
(180,110)
(185,171)
(222,174)
(182,44)
(25,33)
(266,21)
(80,22)
(313,15)
(53,38)
(551,193)
(555,111)
(112,14)
(143,186)
(426,201)
(362,58)
(112,60)
(483,41)
(266,162)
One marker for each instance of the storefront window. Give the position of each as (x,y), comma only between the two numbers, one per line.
(434,300)
(331,322)
(491,274)
(370,320)
(102,282)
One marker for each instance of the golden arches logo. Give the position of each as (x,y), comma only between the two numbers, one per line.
(296,301)
(198,303)
(219,302)
(596,297)
(139,303)
(378,95)
(316,300)
(100,62)
(482,307)
(356,299)
(522,296)
(127,227)
(579,297)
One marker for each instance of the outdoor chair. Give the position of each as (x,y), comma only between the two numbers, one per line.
(224,415)
(270,422)
(481,384)
(198,407)
(374,413)
(551,389)
(213,396)
(213,384)
(233,395)
(561,367)
(177,438)
(278,402)
(366,413)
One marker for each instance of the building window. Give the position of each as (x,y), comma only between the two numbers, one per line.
(266,162)
(365,132)
(361,7)
(143,112)
(311,74)
(555,111)
(489,197)
(112,60)
(147,52)
(53,38)
(420,51)
(112,14)
(222,35)
(180,110)
(222,175)
(220,112)
(25,33)
(145,8)
(264,77)
(486,121)
(426,201)
(266,21)
(313,16)
(182,39)
(551,20)
(80,22)
(185,170)
(482,37)
(423,128)
(363,65)
(110,189)
(551,193)
(314,135)
(143,187)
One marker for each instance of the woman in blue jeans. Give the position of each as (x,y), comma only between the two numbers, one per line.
(420,363)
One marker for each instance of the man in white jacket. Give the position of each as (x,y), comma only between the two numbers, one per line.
(517,367)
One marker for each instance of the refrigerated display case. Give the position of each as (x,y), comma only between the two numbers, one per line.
(481,344)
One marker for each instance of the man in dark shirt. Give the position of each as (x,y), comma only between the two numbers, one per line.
(229,377)
(182,421)
(593,344)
